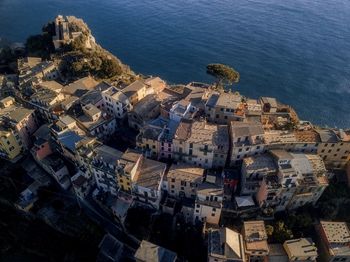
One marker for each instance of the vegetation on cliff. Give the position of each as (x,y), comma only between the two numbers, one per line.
(75,58)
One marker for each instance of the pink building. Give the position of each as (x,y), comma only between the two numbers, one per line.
(41,149)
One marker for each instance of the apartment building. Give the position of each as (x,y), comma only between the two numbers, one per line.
(208,204)
(129,164)
(334,148)
(45,102)
(151,252)
(116,102)
(334,241)
(301,249)
(183,181)
(247,139)
(145,110)
(269,104)
(225,245)
(201,143)
(253,171)
(100,162)
(305,141)
(20,119)
(222,108)
(255,241)
(282,180)
(10,145)
(136,91)
(147,182)
(93,121)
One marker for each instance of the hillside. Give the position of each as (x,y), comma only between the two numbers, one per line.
(78,55)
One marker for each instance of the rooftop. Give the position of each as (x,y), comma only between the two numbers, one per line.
(16,113)
(255,236)
(308,136)
(45,95)
(209,189)
(81,86)
(209,134)
(151,252)
(133,88)
(149,174)
(145,105)
(269,100)
(52,85)
(327,136)
(108,154)
(224,99)
(69,139)
(301,247)
(242,129)
(110,249)
(260,163)
(225,243)
(336,232)
(185,172)
(244,201)
(254,230)
(183,130)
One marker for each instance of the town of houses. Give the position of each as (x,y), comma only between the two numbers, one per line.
(216,154)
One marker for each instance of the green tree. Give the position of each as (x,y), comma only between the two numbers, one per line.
(223,74)
(269,230)
(40,45)
(281,232)
(110,68)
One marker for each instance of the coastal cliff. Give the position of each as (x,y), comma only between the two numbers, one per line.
(69,40)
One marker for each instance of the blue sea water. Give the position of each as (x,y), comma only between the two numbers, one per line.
(295,50)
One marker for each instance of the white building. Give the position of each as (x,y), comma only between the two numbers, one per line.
(147,182)
(247,139)
(208,203)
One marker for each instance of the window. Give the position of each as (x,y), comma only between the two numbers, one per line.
(190,152)
(191,145)
(240,150)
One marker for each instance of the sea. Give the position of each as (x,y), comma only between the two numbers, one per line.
(295,50)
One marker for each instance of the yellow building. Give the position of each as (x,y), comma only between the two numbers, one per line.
(10,147)
(129,164)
